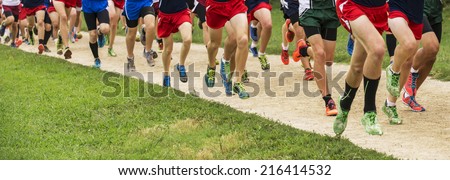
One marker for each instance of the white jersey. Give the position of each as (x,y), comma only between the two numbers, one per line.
(11,2)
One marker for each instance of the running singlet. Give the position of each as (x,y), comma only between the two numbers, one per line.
(11,2)
(317,4)
(32,3)
(94,6)
(413,9)
(171,6)
(370,3)
(251,4)
(433,7)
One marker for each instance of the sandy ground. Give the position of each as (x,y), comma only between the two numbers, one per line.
(286,98)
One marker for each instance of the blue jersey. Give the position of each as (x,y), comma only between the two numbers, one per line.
(32,3)
(413,9)
(47,3)
(172,6)
(251,4)
(94,6)
(370,3)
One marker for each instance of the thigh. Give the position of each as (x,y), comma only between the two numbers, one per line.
(91,21)
(103,17)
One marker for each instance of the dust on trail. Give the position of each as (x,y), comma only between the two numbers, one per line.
(295,102)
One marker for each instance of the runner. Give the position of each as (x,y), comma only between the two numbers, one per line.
(75,16)
(133,10)
(218,13)
(320,22)
(259,11)
(292,31)
(35,11)
(11,10)
(158,40)
(366,20)
(63,7)
(115,10)
(54,18)
(174,17)
(406,23)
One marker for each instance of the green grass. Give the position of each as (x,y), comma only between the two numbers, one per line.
(52,109)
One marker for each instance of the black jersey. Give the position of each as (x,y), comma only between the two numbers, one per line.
(172,6)
(413,9)
(33,3)
(370,3)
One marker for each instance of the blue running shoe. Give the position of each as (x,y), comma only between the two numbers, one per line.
(101,41)
(166,81)
(350,45)
(183,75)
(225,73)
(254,51)
(2,29)
(254,33)
(97,63)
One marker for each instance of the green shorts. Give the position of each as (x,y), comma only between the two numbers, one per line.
(321,18)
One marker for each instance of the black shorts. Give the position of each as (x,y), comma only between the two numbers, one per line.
(291,12)
(328,34)
(148,10)
(47,19)
(200,11)
(436,28)
(91,19)
(191,4)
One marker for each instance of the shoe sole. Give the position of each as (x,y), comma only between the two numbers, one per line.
(68,54)
(41,49)
(407,105)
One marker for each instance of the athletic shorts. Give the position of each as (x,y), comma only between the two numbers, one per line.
(32,11)
(251,15)
(12,11)
(91,19)
(156,8)
(348,11)
(47,19)
(218,13)
(169,23)
(51,9)
(119,3)
(134,10)
(291,12)
(79,4)
(415,28)
(323,18)
(68,3)
(91,6)
(200,11)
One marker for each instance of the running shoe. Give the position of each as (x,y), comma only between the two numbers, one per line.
(411,84)
(59,45)
(41,48)
(225,73)
(289,34)
(18,42)
(130,65)
(411,102)
(254,51)
(309,75)
(182,71)
(2,29)
(340,123)
(67,53)
(26,41)
(253,33)
(142,36)
(97,63)
(239,89)
(391,113)
(107,39)
(35,30)
(264,64)
(330,109)
(350,45)
(13,45)
(301,44)
(46,49)
(7,38)
(210,77)
(370,123)
(101,41)
(392,82)
(111,52)
(285,57)
(154,54)
(72,37)
(166,81)
(149,57)
(245,78)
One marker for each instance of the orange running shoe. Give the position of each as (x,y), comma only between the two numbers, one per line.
(289,34)
(285,57)
(41,48)
(18,42)
(300,45)
(309,75)
(331,108)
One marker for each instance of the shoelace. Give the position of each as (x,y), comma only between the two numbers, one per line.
(414,77)
(240,86)
(131,62)
(413,100)
(211,74)
(372,118)
(395,78)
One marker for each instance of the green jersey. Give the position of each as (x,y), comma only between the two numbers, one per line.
(317,4)
(433,11)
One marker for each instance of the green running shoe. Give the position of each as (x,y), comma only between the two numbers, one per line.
(210,77)
(391,113)
(111,52)
(59,45)
(370,123)
(392,82)
(264,64)
(31,39)
(245,78)
(107,39)
(340,123)
(239,89)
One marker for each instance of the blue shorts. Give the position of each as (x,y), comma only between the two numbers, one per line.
(132,9)
(94,6)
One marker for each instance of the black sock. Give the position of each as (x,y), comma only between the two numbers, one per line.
(370,89)
(159,40)
(347,98)
(47,36)
(391,43)
(304,52)
(326,98)
(41,41)
(94,49)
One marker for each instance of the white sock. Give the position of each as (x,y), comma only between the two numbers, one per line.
(261,54)
(224,60)
(413,70)
(254,44)
(285,47)
(393,71)
(253,26)
(389,103)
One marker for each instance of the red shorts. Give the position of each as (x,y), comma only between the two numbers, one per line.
(119,3)
(415,28)
(15,10)
(32,11)
(218,13)
(251,15)
(348,11)
(69,3)
(78,4)
(169,23)
(51,9)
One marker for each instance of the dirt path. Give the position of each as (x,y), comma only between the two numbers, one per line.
(422,136)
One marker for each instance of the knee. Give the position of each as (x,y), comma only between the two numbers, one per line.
(92,36)
(63,18)
(40,22)
(357,70)
(410,45)
(104,29)
(431,49)
(149,27)
(377,51)
(319,55)
(242,41)
(187,41)
(267,25)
